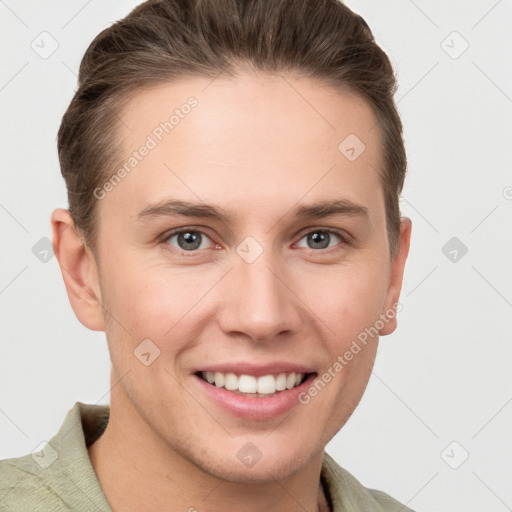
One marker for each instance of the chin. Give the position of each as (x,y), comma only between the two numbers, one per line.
(261,473)
(258,470)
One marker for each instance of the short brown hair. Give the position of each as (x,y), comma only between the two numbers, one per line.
(161,40)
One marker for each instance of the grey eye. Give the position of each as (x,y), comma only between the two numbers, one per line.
(189,240)
(321,239)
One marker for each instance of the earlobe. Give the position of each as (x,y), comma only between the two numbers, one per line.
(79,271)
(392,306)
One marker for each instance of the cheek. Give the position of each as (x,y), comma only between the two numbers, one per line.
(144,301)
(346,299)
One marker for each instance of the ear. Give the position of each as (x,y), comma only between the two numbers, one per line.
(396,276)
(79,271)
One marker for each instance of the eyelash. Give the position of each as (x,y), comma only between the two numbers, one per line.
(168,235)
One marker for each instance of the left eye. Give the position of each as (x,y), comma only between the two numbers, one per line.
(321,239)
(189,240)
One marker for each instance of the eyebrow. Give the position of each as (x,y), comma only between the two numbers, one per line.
(174,207)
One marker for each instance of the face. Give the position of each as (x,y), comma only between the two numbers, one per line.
(247,250)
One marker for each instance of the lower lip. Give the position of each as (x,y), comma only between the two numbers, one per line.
(257,408)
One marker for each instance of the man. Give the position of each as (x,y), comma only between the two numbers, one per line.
(233,228)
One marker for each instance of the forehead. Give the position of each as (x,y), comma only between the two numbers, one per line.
(256,140)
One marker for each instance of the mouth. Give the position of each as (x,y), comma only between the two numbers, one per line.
(254,392)
(264,386)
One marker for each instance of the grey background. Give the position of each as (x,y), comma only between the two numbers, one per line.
(442,377)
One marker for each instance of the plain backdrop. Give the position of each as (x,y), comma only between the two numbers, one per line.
(434,427)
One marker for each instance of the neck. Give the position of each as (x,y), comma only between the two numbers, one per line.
(138,471)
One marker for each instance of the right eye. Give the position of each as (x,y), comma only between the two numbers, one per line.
(188,240)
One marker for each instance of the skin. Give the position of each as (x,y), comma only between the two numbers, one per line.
(255,148)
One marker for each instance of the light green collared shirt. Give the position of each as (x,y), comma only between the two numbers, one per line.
(61,477)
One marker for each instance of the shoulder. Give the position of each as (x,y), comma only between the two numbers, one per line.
(347,493)
(60,476)
(25,486)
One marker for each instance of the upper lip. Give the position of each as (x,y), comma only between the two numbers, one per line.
(257,370)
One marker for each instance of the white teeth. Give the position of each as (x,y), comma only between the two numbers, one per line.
(281,382)
(247,384)
(219,379)
(231,381)
(264,385)
(290,381)
(267,384)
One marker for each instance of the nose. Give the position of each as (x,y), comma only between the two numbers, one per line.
(259,301)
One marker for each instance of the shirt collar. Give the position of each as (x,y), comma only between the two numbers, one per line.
(85,423)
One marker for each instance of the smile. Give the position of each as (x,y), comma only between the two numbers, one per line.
(254,392)
(252,386)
